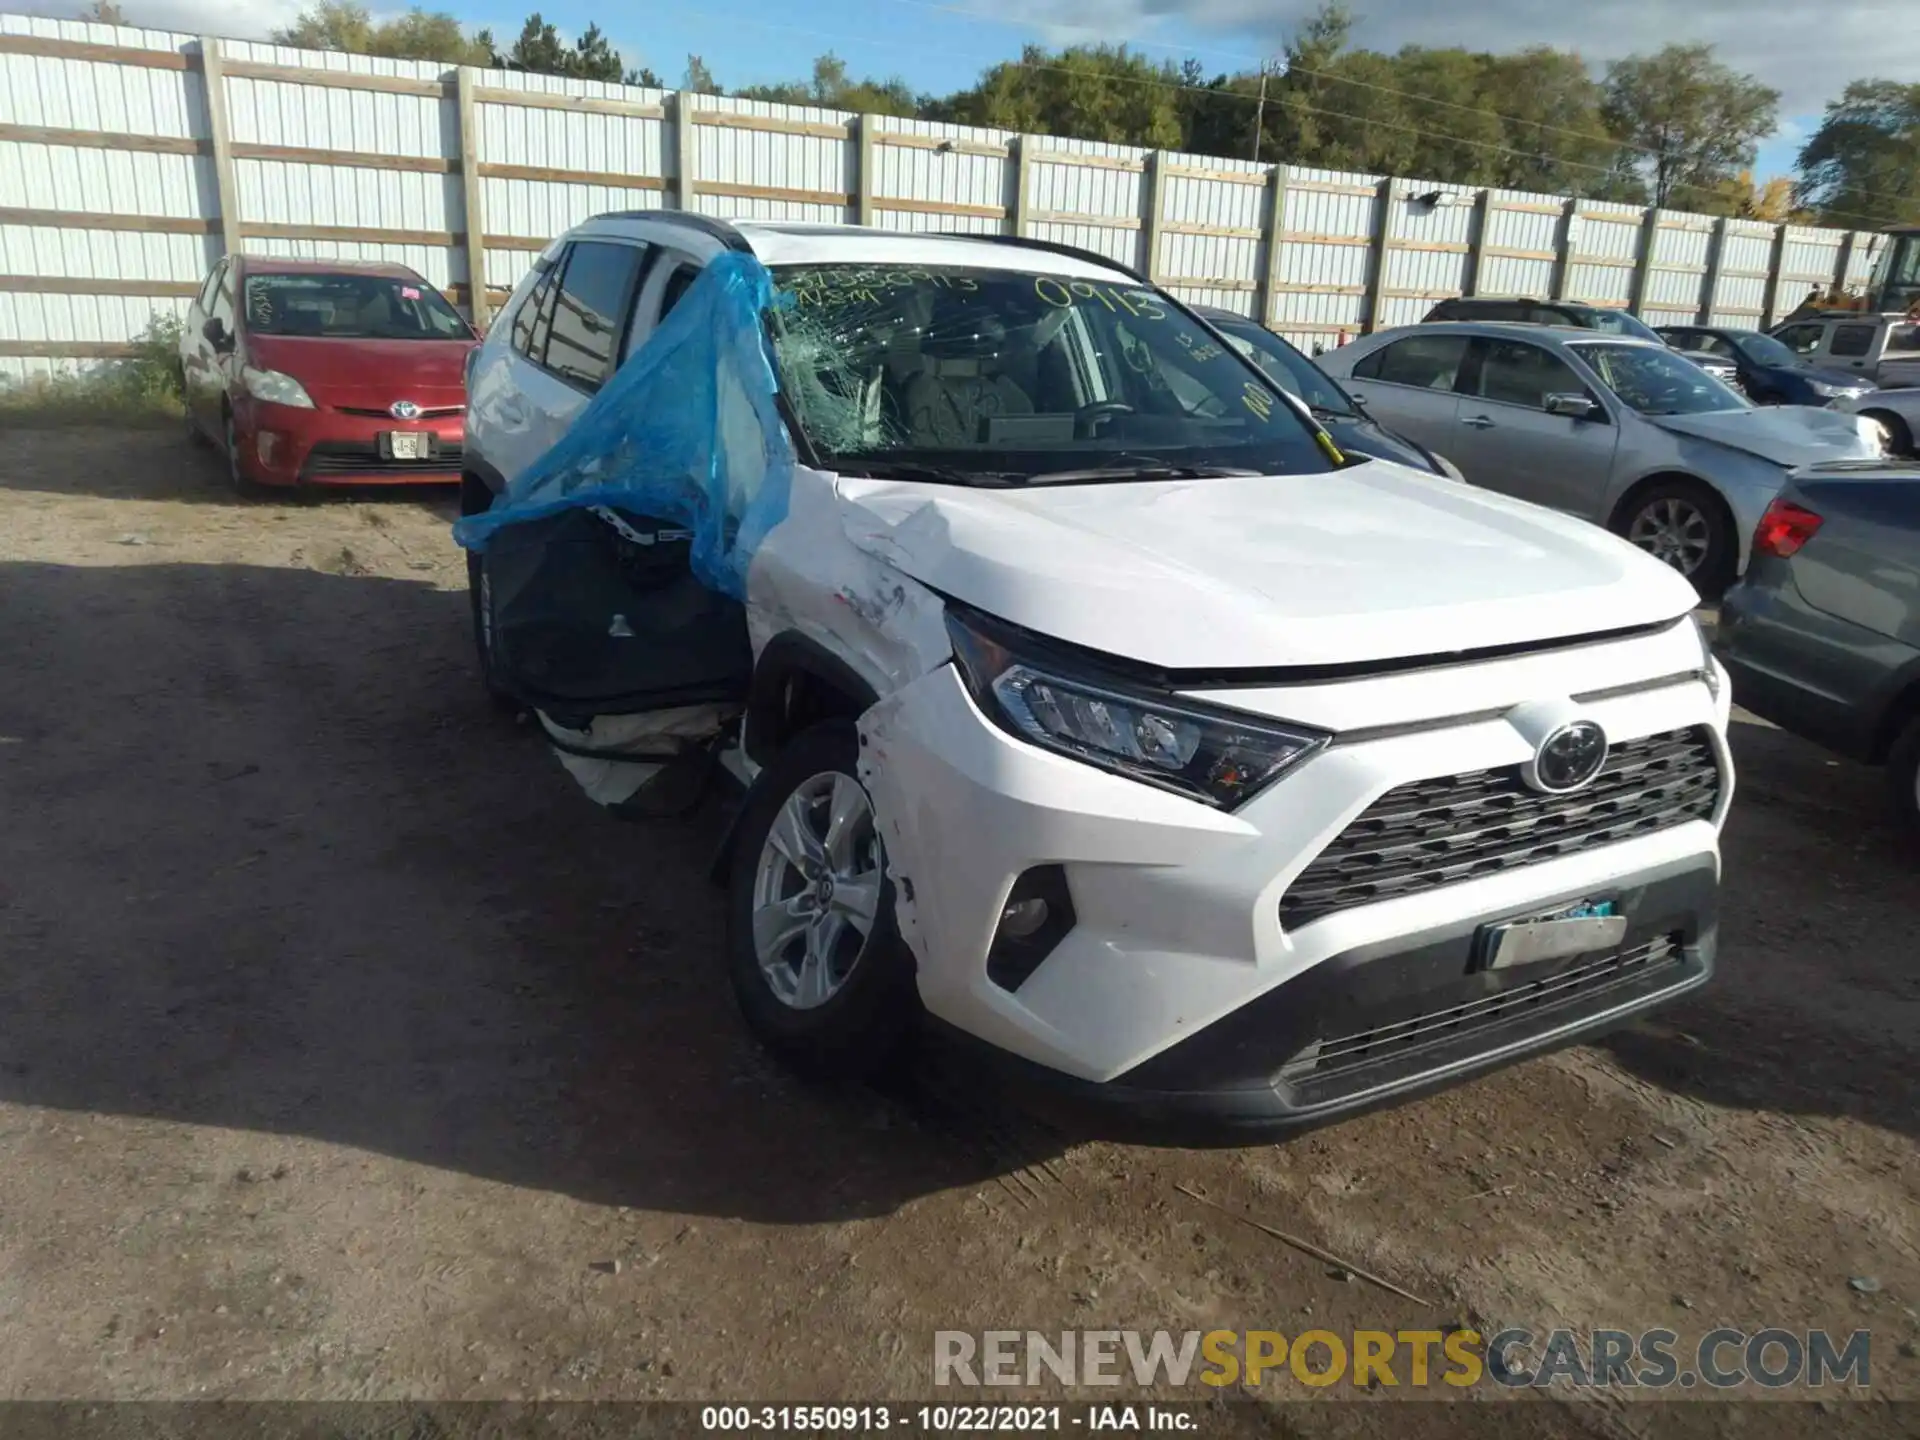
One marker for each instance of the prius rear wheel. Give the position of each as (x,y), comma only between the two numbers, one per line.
(813,952)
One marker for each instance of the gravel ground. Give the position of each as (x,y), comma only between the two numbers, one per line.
(350,1054)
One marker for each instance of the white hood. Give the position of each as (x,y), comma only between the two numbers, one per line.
(1789,435)
(1371,563)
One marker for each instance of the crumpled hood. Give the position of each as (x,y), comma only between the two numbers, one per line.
(1374,562)
(1785,434)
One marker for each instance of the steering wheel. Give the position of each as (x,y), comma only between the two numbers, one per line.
(1086,416)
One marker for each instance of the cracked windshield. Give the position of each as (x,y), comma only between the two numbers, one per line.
(981,376)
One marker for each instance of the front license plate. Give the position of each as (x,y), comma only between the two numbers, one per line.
(409,444)
(1577,930)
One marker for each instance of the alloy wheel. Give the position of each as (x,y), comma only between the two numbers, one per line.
(1673,530)
(816,890)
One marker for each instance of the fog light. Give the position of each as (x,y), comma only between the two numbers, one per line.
(1036,917)
(1021,919)
(264,444)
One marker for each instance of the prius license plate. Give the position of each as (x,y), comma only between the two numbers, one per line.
(409,444)
(1578,930)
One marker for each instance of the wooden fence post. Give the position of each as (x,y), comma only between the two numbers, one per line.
(1561,276)
(1710,282)
(1276,245)
(472,205)
(1377,252)
(1643,262)
(1476,241)
(213,84)
(684,149)
(1154,202)
(1022,183)
(1776,262)
(864,159)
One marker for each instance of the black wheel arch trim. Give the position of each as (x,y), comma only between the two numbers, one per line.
(483,472)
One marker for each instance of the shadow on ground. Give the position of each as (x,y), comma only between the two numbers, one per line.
(1817,996)
(273,863)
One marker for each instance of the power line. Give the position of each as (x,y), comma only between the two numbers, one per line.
(1164,84)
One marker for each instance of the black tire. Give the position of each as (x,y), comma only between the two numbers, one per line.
(860,1028)
(237,480)
(497,693)
(1665,503)
(1900,434)
(1903,777)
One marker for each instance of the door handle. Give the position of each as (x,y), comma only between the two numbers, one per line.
(1478,422)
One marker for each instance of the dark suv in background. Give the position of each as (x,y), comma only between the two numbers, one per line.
(1519,310)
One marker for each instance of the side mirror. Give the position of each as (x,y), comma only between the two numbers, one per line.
(1572,405)
(216,333)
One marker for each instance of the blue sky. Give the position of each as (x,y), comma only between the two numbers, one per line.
(940,45)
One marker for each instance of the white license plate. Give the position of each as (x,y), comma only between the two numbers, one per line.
(1576,931)
(409,444)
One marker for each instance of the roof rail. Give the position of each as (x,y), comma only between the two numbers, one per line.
(720,230)
(1077,252)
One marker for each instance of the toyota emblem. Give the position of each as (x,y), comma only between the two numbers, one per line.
(1568,758)
(404,410)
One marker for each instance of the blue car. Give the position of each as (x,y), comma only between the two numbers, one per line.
(1771,373)
(1339,413)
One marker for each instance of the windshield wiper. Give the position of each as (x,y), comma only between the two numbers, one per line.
(1327,412)
(1146,470)
(914,470)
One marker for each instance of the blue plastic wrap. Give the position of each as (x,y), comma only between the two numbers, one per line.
(687,431)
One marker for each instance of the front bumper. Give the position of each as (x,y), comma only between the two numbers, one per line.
(290,445)
(1383,1023)
(1177,920)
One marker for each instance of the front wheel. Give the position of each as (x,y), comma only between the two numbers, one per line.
(813,953)
(1685,524)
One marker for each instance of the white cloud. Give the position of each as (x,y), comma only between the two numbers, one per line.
(235,19)
(1807,53)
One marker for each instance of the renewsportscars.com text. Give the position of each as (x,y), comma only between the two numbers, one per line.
(1720,1359)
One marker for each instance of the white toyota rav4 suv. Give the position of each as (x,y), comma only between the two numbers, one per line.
(1090,703)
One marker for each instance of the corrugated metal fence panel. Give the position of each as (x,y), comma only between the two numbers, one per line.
(1810,257)
(964,179)
(1603,248)
(1678,269)
(548,139)
(1740,296)
(806,166)
(1323,262)
(1107,204)
(1866,249)
(1427,260)
(1212,249)
(259,52)
(61,93)
(1517,247)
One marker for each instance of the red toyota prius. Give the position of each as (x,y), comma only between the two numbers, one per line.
(327,372)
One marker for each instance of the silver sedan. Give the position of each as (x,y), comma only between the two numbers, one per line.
(1622,432)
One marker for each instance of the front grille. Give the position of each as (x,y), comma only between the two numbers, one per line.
(380,412)
(1325,1058)
(351,457)
(1431,833)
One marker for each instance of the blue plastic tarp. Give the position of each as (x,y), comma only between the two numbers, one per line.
(686,431)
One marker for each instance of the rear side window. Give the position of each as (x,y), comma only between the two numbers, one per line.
(1851,340)
(677,285)
(595,293)
(1428,362)
(527,318)
(1903,337)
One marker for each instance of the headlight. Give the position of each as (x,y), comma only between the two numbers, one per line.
(1219,757)
(1709,670)
(1829,392)
(274,387)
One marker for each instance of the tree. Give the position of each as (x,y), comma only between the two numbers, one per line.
(416,35)
(541,49)
(1694,122)
(1090,92)
(104,12)
(699,78)
(1861,167)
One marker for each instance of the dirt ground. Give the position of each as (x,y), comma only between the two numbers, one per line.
(348,1053)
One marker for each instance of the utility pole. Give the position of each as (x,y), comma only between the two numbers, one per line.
(1260,113)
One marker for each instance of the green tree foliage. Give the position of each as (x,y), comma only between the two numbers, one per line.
(1861,167)
(1692,122)
(416,35)
(1091,92)
(831,87)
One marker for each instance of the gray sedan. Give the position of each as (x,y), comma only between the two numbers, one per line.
(1622,432)
(1823,635)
